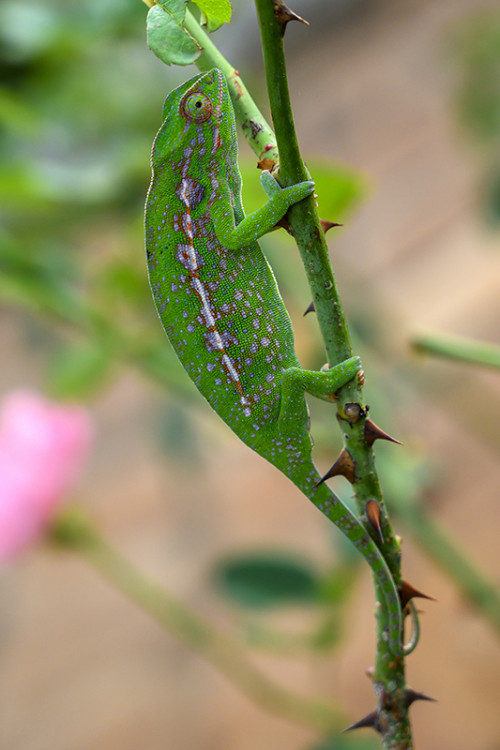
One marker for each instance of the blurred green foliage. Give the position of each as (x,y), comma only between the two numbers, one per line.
(476,52)
(362,740)
(79,102)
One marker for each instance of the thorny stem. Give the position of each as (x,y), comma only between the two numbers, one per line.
(389,673)
(74,531)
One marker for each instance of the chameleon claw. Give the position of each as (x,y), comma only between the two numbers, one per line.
(361,378)
(343,466)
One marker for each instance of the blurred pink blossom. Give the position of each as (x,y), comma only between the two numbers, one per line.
(42,449)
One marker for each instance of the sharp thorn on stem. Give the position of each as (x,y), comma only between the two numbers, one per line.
(370,720)
(407,592)
(343,466)
(374,516)
(374,432)
(326,225)
(310,309)
(284,15)
(411,696)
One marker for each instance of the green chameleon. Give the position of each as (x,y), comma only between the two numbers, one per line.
(221,308)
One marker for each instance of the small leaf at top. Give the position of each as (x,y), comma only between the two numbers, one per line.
(214,13)
(167,37)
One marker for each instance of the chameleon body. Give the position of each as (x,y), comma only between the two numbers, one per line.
(221,308)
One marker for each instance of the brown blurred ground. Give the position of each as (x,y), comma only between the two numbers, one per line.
(80,668)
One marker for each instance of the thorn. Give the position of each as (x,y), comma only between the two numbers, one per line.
(369,672)
(310,309)
(370,720)
(411,696)
(284,15)
(373,432)
(374,517)
(407,592)
(326,225)
(343,466)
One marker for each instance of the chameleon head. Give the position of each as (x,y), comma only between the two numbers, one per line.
(200,106)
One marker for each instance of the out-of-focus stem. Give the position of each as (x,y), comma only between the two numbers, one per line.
(74,531)
(459,349)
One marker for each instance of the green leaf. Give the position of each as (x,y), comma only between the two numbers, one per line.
(78,370)
(167,37)
(339,188)
(214,13)
(267,579)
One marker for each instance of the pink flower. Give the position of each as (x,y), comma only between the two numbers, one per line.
(42,449)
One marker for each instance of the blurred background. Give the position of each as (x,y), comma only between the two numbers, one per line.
(398,115)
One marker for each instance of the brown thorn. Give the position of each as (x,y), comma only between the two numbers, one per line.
(326,225)
(407,592)
(374,517)
(370,720)
(411,696)
(343,466)
(373,432)
(284,15)
(310,309)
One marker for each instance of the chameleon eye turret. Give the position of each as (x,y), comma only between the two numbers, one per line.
(196,107)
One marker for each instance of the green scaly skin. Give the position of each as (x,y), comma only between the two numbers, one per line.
(221,308)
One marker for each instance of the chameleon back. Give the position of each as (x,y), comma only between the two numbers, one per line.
(220,308)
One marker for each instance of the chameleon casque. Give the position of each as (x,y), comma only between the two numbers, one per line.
(220,306)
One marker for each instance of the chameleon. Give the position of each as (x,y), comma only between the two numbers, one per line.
(220,306)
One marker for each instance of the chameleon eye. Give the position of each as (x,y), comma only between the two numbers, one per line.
(196,107)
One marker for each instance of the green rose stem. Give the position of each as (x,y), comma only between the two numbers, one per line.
(72,530)
(389,673)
